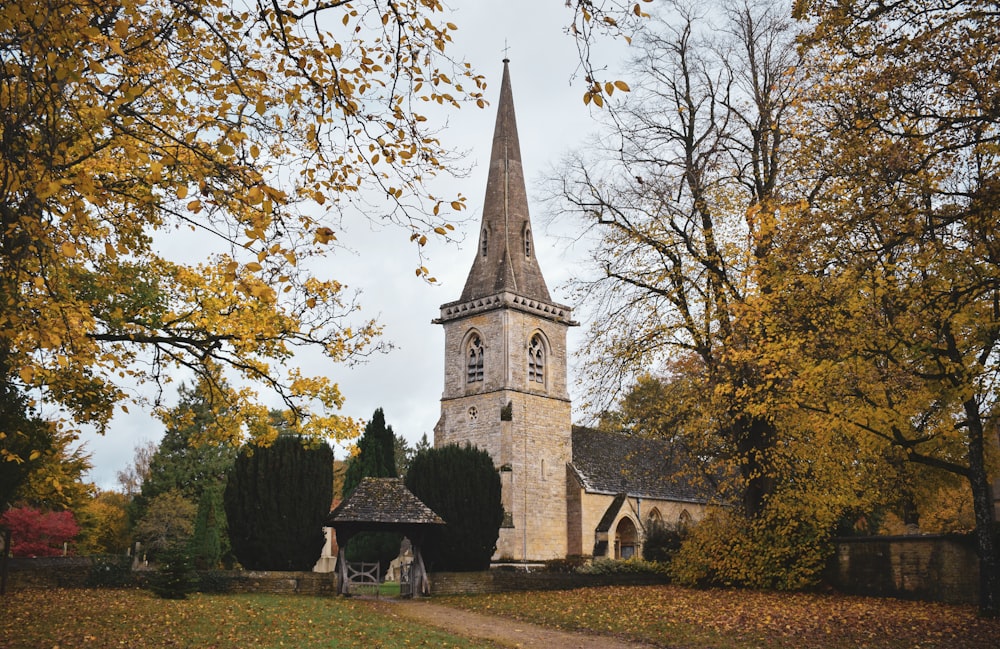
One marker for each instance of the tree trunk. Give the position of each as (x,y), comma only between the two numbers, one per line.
(755,440)
(982,502)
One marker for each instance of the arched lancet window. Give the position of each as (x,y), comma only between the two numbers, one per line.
(474,354)
(527,242)
(684,521)
(484,242)
(536,360)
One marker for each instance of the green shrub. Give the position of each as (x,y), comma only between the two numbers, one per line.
(175,577)
(461,485)
(572,563)
(276,501)
(622,567)
(662,541)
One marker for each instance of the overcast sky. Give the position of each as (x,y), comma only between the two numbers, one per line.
(407,382)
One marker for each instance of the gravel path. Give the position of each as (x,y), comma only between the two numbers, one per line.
(504,632)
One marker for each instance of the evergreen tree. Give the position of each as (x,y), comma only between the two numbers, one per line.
(376,454)
(376,458)
(276,500)
(461,485)
(175,576)
(182,461)
(206,541)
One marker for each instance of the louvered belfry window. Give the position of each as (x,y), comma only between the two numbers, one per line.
(475,356)
(536,360)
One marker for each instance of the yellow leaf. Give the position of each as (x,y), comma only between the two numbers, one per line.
(34,455)
(194,206)
(324,235)
(621,85)
(68,249)
(216,65)
(253,267)
(27,374)
(182,191)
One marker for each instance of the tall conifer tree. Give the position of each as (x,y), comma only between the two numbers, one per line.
(375,459)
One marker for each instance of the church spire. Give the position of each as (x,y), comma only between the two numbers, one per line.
(505,256)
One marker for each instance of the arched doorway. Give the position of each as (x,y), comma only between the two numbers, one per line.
(626,539)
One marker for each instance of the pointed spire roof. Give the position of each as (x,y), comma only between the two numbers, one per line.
(505,255)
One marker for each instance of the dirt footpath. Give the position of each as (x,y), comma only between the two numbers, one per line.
(504,632)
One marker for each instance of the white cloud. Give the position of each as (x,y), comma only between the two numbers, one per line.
(552,118)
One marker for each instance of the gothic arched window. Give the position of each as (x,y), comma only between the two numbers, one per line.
(536,360)
(474,354)
(484,242)
(527,242)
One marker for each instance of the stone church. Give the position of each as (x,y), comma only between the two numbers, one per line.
(566,490)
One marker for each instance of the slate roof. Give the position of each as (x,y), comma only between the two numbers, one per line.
(611,463)
(383,500)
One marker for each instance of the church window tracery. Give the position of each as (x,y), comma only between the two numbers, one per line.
(474,355)
(536,360)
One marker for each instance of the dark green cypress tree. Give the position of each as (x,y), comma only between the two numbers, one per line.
(376,454)
(276,501)
(376,458)
(462,485)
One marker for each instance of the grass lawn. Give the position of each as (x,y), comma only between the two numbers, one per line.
(735,619)
(95,619)
(663,615)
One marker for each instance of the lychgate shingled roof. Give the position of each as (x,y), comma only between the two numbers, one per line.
(383,501)
(612,463)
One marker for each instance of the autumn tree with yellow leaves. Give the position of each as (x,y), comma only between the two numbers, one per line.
(125,126)
(903,269)
(681,192)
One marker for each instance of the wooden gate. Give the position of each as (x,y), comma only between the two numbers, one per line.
(363,579)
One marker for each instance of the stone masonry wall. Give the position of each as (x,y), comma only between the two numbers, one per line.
(524,425)
(500,581)
(77,572)
(934,568)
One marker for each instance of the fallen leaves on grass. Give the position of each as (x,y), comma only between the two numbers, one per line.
(671,617)
(134,619)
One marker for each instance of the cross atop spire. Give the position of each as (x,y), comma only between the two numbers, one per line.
(505,256)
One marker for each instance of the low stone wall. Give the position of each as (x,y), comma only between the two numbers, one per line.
(499,581)
(275,582)
(81,572)
(48,572)
(940,568)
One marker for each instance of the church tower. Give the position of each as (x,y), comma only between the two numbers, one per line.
(505,361)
